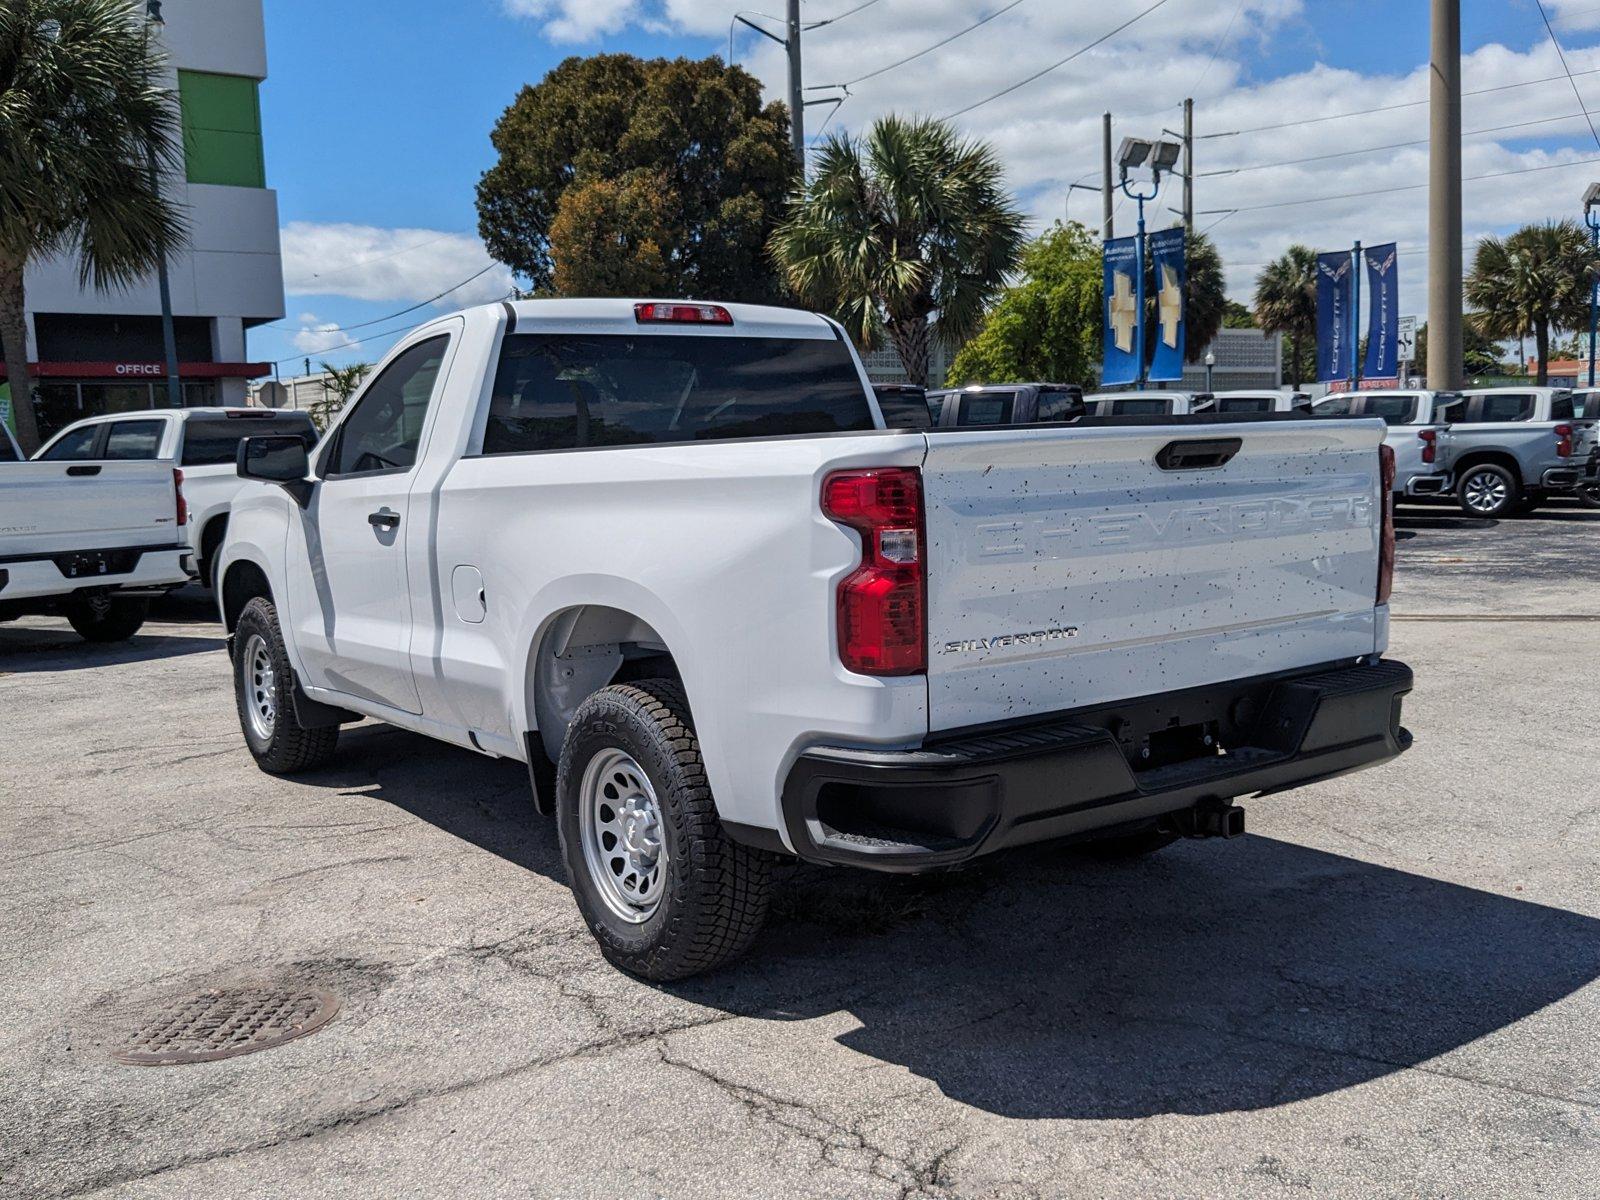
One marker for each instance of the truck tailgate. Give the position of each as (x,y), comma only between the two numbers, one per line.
(1066,568)
(102,506)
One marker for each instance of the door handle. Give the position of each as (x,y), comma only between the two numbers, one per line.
(384,519)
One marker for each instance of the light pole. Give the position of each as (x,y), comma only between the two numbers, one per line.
(1591,200)
(1211,361)
(169,340)
(1161,155)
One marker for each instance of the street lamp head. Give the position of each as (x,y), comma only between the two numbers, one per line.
(1133,152)
(1591,198)
(1211,358)
(152,12)
(1166,155)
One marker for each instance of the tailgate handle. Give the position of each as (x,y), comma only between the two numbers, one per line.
(1197,454)
(83,470)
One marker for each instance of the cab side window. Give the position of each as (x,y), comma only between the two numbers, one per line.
(384,429)
(75,445)
(133,441)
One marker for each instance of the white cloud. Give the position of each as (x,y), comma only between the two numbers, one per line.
(319,337)
(1048,132)
(366,262)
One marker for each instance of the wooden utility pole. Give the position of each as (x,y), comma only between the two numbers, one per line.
(1444,198)
(1106,184)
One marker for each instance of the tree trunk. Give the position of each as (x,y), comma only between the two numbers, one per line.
(14,337)
(1294,362)
(910,339)
(1541,344)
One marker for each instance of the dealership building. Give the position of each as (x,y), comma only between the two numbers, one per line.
(96,352)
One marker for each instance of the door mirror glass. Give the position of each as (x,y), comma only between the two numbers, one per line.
(275,458)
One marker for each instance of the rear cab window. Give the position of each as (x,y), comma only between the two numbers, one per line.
(1244,404)
(214,440)
(580,391)
(986,408)
(1141,408)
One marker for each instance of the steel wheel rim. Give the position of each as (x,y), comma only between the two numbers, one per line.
(623,835)
(259,678)
(1485,491)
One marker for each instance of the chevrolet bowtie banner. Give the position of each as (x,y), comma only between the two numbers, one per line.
(1383,312)
(1167,273)
(1335,278)
(1120,359)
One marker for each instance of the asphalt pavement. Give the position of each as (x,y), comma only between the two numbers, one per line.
(1387,989)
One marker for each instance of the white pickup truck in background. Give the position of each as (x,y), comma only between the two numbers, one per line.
(668,555)
(90,541)
(203,442)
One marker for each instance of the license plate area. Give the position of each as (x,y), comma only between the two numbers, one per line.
(90,564)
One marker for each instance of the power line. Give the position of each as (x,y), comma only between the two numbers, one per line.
(371,337)
(1291,162)
(930,49)
(841,16)
(1562,55)
(1410,187)
(1217,49)
(402,312)
(1021,83)
(1382,108)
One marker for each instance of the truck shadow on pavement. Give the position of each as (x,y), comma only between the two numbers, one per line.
(1212,977)
(57,648)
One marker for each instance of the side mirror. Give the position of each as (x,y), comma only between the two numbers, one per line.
(277,458)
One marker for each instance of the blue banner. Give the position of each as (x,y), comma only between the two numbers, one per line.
(1168,279)
(1122,354)
(1335,278)
(1383,313)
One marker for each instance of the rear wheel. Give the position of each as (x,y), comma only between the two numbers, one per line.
(1488,491)
(1589,495)
(263,687)
(662,887)
(101,617)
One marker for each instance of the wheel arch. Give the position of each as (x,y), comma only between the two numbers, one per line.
(1498,458)
(242,582)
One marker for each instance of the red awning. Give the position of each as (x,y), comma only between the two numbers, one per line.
(145,370)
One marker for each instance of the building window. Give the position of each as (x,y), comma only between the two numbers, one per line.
(221,129)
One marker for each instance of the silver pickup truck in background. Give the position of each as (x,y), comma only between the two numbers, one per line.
(1416,434)
(1510,448)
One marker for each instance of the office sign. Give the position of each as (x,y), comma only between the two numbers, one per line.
(1335,279)
(1383,313)
(1169,278)
(1122,354)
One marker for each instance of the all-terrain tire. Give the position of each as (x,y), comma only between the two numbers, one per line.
(106,618)
(714,891)
(263,680)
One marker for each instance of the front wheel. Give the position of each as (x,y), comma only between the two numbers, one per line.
(1488,491)
(662,887)
(106,618)
(263,688)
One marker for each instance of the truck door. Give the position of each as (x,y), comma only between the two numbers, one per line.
(350,603)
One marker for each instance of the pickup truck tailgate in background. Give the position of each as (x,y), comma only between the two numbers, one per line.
(1067,568)
(45,509)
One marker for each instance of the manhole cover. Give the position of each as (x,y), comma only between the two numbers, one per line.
(223,1023)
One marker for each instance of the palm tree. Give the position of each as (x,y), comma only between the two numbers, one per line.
(910,221)
(85,127)
(1535,280)
(1286,303)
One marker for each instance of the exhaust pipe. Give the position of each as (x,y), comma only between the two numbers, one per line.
(1209,819)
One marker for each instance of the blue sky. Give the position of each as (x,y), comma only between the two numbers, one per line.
(377,117)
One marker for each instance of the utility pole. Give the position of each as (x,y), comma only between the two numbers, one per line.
(1106,185)
(797,108)
(1188,166)
(1444,198)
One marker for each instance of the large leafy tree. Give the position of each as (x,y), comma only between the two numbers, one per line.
(1048,325)
(83,116)
(910,221)
(1534,281)
(1286,303)
(624,176)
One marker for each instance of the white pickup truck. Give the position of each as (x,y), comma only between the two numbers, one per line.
(667,554)
(91,541)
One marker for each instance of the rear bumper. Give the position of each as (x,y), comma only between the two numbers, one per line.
(1427,485)
(134,568)
(957,798)
(1572,475)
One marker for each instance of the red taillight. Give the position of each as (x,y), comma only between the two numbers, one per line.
(1386,537)
(1430,444)
(682,314)
(882,603)
(177,491)
(1563,441)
